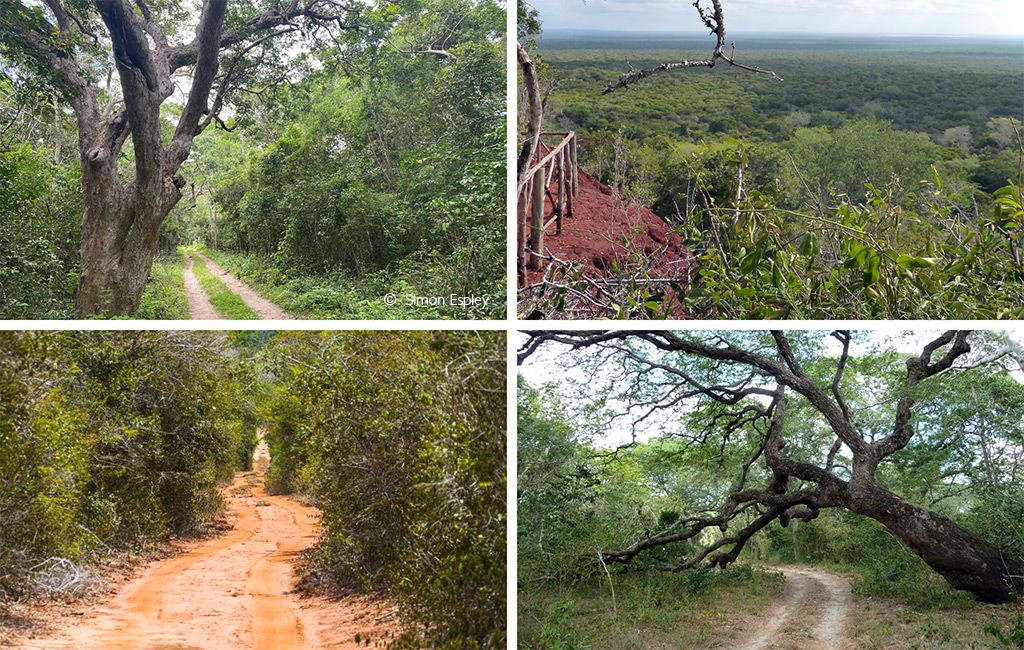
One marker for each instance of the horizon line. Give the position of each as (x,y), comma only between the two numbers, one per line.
(781,33)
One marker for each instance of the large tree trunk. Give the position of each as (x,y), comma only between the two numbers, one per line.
(120,237)
(121,222)
(963,558)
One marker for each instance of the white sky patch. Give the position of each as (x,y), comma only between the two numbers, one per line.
(543,369)
(932,17)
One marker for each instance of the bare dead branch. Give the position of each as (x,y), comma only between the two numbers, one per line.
(715,21)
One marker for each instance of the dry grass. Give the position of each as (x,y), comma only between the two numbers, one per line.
(883,625)
(651,611)
(670,612)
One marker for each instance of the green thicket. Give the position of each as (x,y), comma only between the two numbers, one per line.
(400,440)
(881,179)
(110,442)
(581,493)
(389,175)
(369,163)
(38,240)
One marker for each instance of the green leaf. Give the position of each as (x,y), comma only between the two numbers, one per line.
(872,268)
(809,245)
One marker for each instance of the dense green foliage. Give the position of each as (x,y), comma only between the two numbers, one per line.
(164,298)
(598,473)
(361,163)
(881,179)
(383,172)
(109,443)
(408,471)
(38,239)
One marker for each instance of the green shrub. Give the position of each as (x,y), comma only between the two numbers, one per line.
(401,436)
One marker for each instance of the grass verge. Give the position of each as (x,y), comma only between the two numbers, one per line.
(691,609)
(341,295)
(164,297)
(883,624)
(228,303)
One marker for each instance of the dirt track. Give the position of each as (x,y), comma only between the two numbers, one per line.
(265,309)
(231,592)
(810,615)
(601,225)
(199,305)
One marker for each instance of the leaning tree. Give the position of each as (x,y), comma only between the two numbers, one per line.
(69,45)
(725,388)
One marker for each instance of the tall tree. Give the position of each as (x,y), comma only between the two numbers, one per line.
(736,386)
(65,42)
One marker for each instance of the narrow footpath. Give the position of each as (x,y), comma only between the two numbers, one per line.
(231,592)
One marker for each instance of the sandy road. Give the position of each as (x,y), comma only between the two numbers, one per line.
(810,615)
(231,592)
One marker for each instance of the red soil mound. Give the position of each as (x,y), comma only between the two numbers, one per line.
(604,230)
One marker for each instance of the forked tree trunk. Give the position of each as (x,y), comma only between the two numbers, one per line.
(120,237)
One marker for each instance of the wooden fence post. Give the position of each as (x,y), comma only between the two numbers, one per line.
(537,219)
(560,206)
(575,172)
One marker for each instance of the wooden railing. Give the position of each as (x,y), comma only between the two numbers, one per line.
(554,176)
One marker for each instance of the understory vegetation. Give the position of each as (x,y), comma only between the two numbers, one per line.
(113,442)
(409,472)
(880,180)
(110,443)
(672,610)
(164,298)
(605,467)
(346,166)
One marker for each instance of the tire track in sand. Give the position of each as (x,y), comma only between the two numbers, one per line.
(265,309)
(231,592)
(275,626)
(811,614)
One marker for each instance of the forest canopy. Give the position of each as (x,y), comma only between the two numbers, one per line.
(676,451)
(336,150)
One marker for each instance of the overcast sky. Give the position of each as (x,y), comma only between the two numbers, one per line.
(1004,17)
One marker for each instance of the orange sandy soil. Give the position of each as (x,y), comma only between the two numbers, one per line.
(232,591)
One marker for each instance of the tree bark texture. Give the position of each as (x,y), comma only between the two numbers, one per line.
(963,558)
